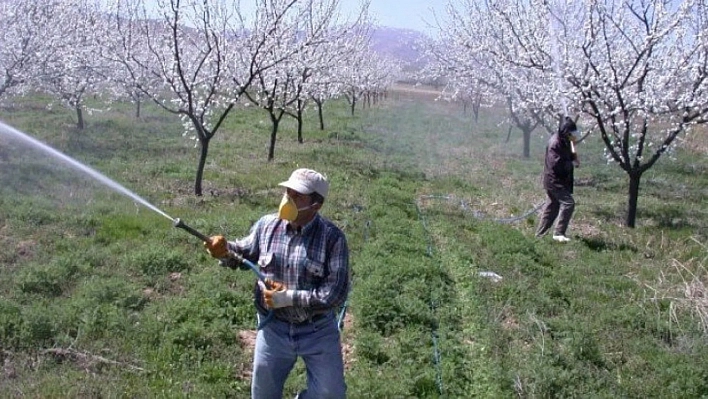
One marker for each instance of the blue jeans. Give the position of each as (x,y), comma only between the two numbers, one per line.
(278,345)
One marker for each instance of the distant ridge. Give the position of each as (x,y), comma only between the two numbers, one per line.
(396,43)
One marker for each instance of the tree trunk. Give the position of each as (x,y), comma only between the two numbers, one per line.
(634,179)
(320,114)
(273,134)
(476,105)
(200,168)
(353,104)
(527,141)
(299,126)
(205,137)
(137,109)
(80,118)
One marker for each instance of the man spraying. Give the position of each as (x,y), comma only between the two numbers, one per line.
(305,263)
(560,160)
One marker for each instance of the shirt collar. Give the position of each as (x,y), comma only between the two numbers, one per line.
(303,229)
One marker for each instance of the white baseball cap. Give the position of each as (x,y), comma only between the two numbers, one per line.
(307,181)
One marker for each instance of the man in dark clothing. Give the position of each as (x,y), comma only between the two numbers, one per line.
(560,161)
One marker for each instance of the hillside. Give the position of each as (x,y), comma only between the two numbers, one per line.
(398,44)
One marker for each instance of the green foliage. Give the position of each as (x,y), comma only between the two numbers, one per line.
(50,279)
(10,324)
(25,327)
(41,280)
(153,262)
(121,227)
(113,291)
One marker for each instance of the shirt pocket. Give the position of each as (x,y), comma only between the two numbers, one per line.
(315,269)
(266,263)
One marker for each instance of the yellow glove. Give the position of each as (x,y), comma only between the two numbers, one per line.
(217,247)
(275,294)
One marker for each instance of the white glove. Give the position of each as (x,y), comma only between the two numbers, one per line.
(278,296)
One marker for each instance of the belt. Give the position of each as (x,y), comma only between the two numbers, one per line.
(313,319)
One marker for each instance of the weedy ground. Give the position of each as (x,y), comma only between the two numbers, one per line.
(101,297)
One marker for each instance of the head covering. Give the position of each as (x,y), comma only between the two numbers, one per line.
(569,129)
(307,181)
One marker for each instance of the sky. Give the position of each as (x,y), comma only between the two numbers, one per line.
(407,14)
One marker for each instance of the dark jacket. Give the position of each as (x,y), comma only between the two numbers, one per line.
(558,167)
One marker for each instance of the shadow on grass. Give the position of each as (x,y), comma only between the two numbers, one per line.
(600,245)
(671,217)
(605,213)
(668,217)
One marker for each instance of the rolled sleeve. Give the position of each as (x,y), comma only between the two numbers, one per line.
(248,246)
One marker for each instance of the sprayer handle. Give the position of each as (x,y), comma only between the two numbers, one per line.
(232,263)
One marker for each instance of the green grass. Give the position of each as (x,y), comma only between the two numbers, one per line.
(101,297)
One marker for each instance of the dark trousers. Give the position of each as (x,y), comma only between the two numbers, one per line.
(559,204)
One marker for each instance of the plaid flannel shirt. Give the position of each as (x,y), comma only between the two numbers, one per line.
(313,261)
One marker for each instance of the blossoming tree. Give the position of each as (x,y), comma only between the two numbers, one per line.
(636,69)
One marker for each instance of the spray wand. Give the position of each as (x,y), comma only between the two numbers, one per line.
(180,224)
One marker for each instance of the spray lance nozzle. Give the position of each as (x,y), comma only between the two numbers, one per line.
(180,224)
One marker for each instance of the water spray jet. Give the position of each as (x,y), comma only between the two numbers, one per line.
(14,133)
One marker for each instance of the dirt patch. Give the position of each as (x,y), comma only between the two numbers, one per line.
(584,229)
(348,342)
(8,366)
(509,321)
(88,362)
(25,249)
(247,338)
(172,286)
(422,91)
(149,293)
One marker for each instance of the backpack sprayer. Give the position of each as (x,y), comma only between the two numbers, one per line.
(232,255)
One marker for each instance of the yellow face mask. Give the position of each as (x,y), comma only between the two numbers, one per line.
(288,210)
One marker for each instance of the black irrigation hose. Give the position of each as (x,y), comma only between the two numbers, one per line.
(437,357)
(343,311)
(481,216)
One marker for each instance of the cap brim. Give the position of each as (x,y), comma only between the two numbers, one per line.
(297,186)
